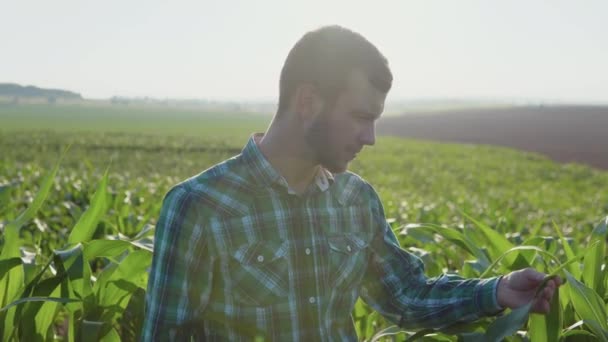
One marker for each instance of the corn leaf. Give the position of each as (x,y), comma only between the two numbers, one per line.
(574,269)
(497,241)
(105,248)
(115,291)
(547,328)
(508,324)
(587,304)
(593,274)
(11,231)
(12,282)
(87,224)
(455,237)
(39,299)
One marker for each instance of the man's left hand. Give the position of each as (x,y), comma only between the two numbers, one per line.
(519,288)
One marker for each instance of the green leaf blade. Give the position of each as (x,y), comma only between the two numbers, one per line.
(87,224)
(587,304)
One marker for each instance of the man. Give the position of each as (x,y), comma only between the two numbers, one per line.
(280,241)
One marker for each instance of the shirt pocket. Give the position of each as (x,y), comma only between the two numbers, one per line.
(259,273)
(348,259)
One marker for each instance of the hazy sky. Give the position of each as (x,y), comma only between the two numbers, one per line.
(539,50)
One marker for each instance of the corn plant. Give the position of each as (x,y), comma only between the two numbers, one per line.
(578,310)
(64,293)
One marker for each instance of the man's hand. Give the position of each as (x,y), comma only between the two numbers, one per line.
(518,288)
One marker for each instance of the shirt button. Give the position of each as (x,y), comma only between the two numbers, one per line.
(307,251)
(260,258)
(348,248)
(312,300)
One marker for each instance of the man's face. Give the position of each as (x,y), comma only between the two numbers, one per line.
(338,133)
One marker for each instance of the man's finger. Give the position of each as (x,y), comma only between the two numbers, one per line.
(541,306)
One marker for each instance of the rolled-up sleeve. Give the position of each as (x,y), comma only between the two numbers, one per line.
(396,286)
(179,283)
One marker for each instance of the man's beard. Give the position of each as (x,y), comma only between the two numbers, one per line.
(318,138)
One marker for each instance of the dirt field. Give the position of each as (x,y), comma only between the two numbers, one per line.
(564,133)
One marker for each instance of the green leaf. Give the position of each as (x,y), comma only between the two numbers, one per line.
(87,224)
(110,336)
(517,249)
(30,268)
(145,243)
(419,335)
(392,331)
(10,285)
(547,328)
(587,304)
(11,231)
(455,237)
(547,243)
(569,262)
(104,248)
(5,194)
(44,315)
(13,281)
(116,290)
(360,309)
(72,326)
(573,333)
(499,243)
(91,330)
(569,252)
(508,324)
(8,264)
(147,230)
(593,275)
(71,262)
(599,331)
(39,299)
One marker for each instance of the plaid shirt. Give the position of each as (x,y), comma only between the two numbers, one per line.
(238,255)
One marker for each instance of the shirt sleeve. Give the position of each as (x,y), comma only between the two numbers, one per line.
(179,283)
(395,285)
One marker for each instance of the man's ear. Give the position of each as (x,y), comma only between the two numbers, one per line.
(308,102)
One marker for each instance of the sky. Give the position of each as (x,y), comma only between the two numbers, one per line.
(233,50)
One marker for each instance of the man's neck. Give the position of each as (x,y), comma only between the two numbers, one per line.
(287,154)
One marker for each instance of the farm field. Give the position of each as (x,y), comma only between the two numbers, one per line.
(466,209)
(575,134)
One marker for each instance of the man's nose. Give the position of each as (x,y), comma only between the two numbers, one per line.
(368,135)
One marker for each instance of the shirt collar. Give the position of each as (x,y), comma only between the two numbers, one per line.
(262,170)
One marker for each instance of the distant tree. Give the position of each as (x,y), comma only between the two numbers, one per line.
(116,100)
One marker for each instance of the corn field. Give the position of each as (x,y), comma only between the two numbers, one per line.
(78,208)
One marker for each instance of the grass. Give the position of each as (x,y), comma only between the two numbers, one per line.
(155,120)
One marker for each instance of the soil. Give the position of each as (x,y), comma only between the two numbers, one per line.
(563,133)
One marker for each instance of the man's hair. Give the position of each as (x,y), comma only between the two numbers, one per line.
(325,58)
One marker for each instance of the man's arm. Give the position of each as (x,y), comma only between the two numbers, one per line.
(396,286)
(179,284)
